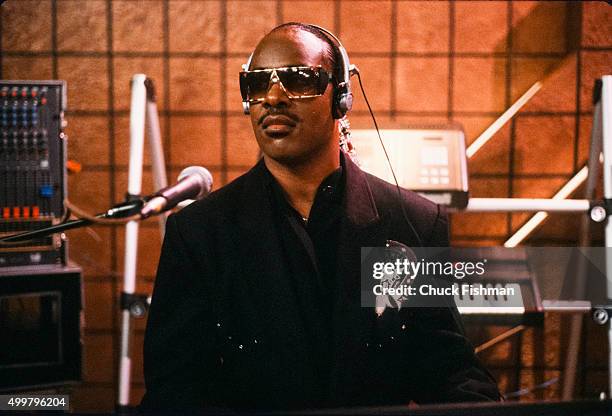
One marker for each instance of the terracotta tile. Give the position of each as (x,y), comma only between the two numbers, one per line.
(533,188)
(422,26)
(541,346)
(242,148)
(17,15)
(194,84)
(551,136)
(86,398)
(479,84)
(232,174)
(195,140)
(122,142)
(90,190)
(421,84)
(473,126)
(357,17)
(376,76)
(123,71)
(482,224)
(195,26)
(320,13)
(87,82)
(364,121)
(476,242)
(22,67)
(396,122)
(539,26)
(561,229)
(558,92)
(596,16)
(501,354)
(506,379)
(137,364)
(88,139)
(99,303)
(488,187)
(98,357)
(137,26)
(481,26)
(584,139)
(90,248)
(90,32)
(493,157)
(536,187)
(594,64)
(233,100)
(215,172)
(241,15)
(149,248)
(136,394)
(121,184)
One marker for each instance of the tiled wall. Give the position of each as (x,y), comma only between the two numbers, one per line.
(422,62)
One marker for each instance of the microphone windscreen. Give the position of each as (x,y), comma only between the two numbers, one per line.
(204,177)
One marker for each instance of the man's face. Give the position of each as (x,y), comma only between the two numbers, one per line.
(292,131)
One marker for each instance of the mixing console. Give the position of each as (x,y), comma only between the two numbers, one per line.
(32,167)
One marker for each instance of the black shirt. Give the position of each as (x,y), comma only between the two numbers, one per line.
(310,249)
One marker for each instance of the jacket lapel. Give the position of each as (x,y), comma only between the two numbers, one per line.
(361,226)
(265,271)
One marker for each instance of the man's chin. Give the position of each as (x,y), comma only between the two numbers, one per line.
(287,157)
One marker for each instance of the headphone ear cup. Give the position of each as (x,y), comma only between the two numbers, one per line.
(343,102)
(346,102)
(335,106)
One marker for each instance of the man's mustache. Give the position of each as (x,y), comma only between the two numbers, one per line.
(276,112)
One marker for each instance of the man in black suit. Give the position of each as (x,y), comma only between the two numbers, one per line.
(257,297)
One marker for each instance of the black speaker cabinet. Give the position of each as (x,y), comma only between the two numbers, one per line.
(40,331)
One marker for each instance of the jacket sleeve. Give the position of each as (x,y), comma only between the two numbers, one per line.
(452,372)
(180,364)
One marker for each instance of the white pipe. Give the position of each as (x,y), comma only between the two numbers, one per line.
(522,233)
(527,228)
(606,132)
(137,131)
(486,135)
(526,205)
(158,164)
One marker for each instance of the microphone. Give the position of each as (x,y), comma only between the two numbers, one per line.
(194,182)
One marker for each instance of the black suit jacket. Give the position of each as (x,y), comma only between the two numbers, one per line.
(224,330)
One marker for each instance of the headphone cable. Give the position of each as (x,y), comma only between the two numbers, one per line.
(382,144)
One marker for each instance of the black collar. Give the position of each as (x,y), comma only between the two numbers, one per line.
(358,203)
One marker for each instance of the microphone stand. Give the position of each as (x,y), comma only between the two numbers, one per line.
(143,114)
(122,210)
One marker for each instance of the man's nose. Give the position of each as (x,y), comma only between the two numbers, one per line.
(275,96)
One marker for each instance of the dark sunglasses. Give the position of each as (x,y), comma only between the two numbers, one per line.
(296,81)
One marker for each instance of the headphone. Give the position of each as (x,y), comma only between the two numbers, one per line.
(343,97)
